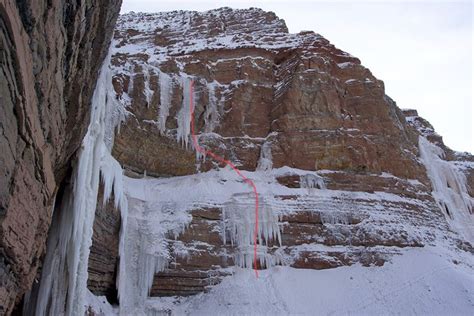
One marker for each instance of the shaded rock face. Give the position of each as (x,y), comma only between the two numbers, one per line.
(105,250)
(263,95)
(50,53)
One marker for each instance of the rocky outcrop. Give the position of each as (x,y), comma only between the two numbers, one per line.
(348,184)
(50,54)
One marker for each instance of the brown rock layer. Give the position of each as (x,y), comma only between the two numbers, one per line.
(103,258)
(50,54)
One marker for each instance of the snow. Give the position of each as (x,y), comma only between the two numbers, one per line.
(346,65)
(422,281)
(349,81)
(189,32)
(449,189)
(161,206)
(99,305)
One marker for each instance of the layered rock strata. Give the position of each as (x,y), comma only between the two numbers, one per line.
(344,174)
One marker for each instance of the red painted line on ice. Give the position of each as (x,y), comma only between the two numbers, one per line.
(228,163)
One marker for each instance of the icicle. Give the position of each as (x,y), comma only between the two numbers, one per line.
(63,286)
(166,87)
(184,116)
(238,218)
(265,162)
(449,189)
(312,181)
(334,218)
(145,254)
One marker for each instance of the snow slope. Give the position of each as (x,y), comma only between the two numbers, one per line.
(419,282)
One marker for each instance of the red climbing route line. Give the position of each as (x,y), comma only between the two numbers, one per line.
(227,162)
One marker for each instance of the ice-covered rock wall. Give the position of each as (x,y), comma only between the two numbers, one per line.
(298,117)
(449,189)
(63,285)
(51,53)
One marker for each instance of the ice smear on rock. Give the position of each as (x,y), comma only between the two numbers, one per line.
(166,86)
(265,162)
(63,287)
(211,116)
(449,189)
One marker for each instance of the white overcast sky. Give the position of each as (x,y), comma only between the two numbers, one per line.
(422,50)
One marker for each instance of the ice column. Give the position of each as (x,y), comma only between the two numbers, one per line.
(184,116)
(211,116)
(63,286)
(265,162)
(166,87)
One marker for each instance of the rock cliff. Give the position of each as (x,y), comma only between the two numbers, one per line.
(344,175)
(50,55)
(344,178)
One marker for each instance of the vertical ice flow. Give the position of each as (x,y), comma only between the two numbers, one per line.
(449,189)
(265,162)
(165,100)
(211,116)
(184,116)
(63,285)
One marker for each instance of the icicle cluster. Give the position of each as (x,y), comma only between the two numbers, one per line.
(184,115)
(239,224)
(334,217)
(146,253)
(312,181)
(147,250)
(212,112)
(63,286)
(449,189)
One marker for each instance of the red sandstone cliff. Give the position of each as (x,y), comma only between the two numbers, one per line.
(267,96)
(344,175)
